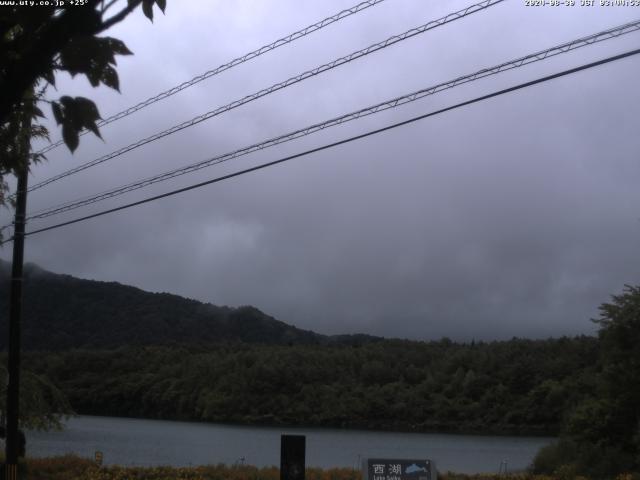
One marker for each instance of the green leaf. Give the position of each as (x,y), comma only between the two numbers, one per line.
(57,112)
(93,57)
(70,136)
(68,110)
(94,128)
(86,113)
(86,108)
(66,100)
(37,157)
(39,131)
(118,46)
(110,78)
(77,114)
(81,55)
(147,8)
(49,77)
(93,76)
(162,4)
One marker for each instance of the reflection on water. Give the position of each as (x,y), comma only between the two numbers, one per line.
(153,442)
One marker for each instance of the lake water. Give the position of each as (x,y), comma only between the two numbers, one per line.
(127,441)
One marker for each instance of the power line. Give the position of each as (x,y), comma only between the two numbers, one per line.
(278,86)
(382,106)
(340,142)
(233,63)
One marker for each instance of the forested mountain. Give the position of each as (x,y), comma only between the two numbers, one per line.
(117,350)
(62,312)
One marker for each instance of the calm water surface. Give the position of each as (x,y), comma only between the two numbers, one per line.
(127,441)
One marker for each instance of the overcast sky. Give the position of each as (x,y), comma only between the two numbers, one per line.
(516,216)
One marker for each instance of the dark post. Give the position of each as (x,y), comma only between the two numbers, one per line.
(292,457)
(15,313)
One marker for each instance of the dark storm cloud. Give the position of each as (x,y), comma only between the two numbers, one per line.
(517,216)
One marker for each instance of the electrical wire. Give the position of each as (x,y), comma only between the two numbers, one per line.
(613,32)
(340,142)
(226,66)
(278,86)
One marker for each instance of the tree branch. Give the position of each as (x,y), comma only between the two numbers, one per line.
(118,17)
(108,6)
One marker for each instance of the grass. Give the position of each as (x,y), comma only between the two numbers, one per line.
(72,467)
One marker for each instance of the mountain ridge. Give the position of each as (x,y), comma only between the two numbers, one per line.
(62,312)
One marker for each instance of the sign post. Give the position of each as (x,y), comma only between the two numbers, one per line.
(398,469)
(292,457)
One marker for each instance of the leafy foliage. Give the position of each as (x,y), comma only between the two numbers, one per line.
(42,404)
(601,437)
(75,114)
(93,57)
(15,134)
(37,43)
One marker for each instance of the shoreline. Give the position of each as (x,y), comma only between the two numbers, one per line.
(509,432)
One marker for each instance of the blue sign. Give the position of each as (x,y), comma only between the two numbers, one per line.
(398,469)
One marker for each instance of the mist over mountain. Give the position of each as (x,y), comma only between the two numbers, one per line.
(62,312)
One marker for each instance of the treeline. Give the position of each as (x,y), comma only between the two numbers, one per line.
(517,386)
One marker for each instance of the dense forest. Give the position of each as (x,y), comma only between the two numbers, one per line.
(520,386)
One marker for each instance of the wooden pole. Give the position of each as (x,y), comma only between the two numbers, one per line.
(12,447)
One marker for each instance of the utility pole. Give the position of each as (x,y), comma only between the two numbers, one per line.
(12,446)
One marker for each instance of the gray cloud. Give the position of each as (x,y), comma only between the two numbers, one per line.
(514,217)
